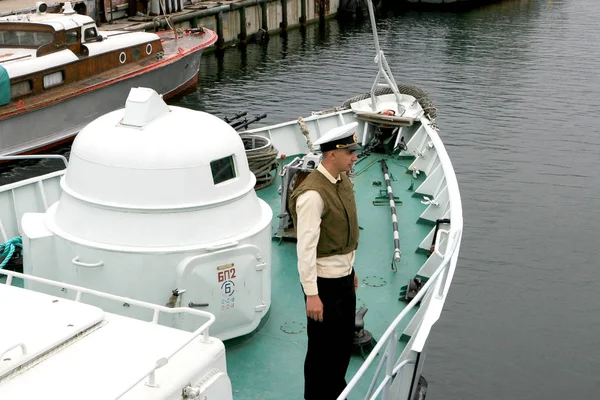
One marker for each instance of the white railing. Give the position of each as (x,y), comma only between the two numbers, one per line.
(441,274)
(390,337)
(36,157)
(162,361)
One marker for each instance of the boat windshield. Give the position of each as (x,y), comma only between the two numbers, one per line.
(25,38)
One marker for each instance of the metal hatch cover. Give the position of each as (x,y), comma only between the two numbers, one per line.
(34,324)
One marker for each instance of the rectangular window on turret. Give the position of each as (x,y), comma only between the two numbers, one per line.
(222,169)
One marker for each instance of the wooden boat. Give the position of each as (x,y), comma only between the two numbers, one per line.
(58,72)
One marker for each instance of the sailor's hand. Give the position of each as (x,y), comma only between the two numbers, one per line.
(314,307)
(355,282)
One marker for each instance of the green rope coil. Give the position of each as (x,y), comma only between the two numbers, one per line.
(9,248)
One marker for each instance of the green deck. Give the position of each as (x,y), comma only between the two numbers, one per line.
(269,363)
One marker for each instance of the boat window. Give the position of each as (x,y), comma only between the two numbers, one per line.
(53,79)
(222,169)
(72,36)
(25,38)
(90,34)
(22,88)
(135,54)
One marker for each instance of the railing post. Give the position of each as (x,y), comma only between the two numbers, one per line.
(389,365)
(151,382)
(440,293)
(450,247)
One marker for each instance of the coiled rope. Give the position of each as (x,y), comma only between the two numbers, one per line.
(9,248)
(262,159)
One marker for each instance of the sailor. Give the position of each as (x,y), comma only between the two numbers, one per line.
(324,213)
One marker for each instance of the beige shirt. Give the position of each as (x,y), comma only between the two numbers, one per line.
(309,208)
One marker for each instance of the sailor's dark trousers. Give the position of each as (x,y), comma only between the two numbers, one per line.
(330,341)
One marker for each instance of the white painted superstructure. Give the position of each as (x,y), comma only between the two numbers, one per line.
(142,215)
(55,348)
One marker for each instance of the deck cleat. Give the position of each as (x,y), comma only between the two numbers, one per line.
(408,292)
(363,339)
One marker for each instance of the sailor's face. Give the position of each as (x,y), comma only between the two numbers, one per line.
(345,159)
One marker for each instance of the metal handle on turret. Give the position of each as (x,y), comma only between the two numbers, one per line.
(86,265)
(222,246)
(14,346)
(196,305)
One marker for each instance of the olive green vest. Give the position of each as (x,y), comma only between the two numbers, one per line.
(339,222)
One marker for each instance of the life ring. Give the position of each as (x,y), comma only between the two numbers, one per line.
(389,113)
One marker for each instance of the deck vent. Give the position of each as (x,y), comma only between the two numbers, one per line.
(68,8)
(142,107)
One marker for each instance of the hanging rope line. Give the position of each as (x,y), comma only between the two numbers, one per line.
(306,133)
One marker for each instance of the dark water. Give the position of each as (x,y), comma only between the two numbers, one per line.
(517,86)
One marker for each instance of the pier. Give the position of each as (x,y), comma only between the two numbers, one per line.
(234,21)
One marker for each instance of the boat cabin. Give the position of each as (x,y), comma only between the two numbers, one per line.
(43,51)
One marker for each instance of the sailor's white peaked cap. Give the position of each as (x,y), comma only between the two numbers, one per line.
(342,137)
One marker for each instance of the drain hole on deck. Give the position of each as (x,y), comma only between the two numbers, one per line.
(293,327)
(374,281)
(6,359)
